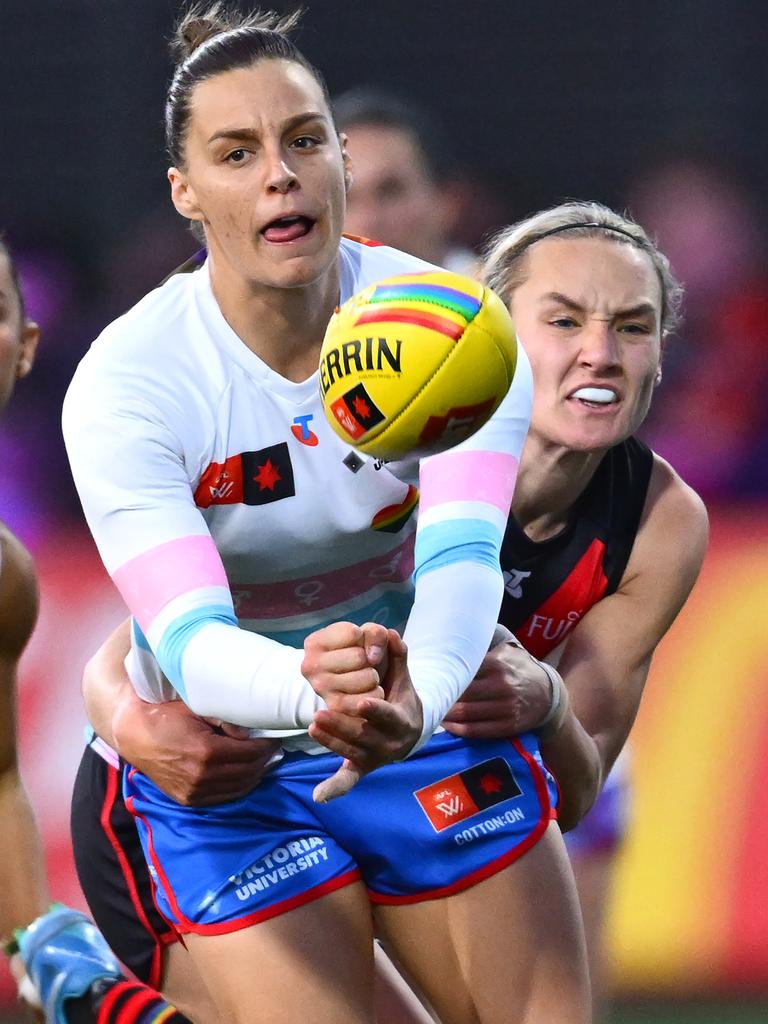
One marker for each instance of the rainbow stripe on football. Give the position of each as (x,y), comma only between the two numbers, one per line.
(402,315)
(433,294)
(415,364)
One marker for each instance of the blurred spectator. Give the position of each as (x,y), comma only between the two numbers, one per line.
(406,191)
(34,475)
(710,416)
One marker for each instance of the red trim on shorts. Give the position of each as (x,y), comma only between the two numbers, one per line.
(183,923)
(224,927)
(492,868)
(468,881)
(155,972)
(539,779)
(555,814)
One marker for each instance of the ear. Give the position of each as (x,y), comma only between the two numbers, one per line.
(657,377)
(30,336)
(183,195)
(347,162)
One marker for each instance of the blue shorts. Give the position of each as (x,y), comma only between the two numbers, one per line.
(437,823)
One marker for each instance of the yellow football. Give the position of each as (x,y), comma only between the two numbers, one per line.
(414,364)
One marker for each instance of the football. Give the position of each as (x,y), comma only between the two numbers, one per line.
(415,364)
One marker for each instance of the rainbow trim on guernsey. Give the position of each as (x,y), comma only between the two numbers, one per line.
(394,517)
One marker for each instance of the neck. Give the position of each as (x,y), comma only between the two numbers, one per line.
(551,480)
(283,326)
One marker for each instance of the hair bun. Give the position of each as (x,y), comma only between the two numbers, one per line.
(199,24)
(196,32)
(204,20)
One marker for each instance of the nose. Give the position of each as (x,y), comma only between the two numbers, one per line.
(599,346)
(283,181)
(279,176)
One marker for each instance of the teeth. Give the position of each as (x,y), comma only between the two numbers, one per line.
(603,396)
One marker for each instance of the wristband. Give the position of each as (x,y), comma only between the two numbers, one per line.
(558,694)
(501,635)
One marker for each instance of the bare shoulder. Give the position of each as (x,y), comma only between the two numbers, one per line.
(18,595)
(674,530)
(672,506)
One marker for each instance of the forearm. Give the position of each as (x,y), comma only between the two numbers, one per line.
(106,686)
(217,668)
(260,685)
(466,494)
(22,867)
(448,638)
(574,758)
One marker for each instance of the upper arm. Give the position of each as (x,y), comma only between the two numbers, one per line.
(130,469)
(106,682)
(18,614)
(129,466)
(606,660)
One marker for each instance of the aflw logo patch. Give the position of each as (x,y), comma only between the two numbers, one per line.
(250,478)
(460,796)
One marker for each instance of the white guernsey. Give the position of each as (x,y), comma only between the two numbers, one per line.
(235,522)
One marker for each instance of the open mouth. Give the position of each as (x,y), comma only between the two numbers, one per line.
(288,229)
(594,397)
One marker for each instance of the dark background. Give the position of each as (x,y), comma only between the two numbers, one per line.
(539,102)
(542,100)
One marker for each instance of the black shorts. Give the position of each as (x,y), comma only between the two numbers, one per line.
(112,871)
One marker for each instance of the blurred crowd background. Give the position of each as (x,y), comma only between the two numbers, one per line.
(655,107)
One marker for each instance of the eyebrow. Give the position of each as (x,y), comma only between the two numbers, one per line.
(641,309)
(251,135)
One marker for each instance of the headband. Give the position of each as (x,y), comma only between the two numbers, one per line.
(588,224)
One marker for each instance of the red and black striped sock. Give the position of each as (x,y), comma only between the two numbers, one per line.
(122,1002)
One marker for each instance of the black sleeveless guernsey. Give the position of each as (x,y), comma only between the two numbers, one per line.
(550,585)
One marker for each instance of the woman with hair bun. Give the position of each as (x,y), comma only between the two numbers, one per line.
(243,538)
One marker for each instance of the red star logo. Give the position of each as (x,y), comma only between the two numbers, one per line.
(362,408)
(490,784)
(267,476)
